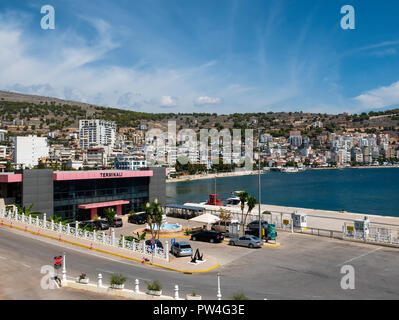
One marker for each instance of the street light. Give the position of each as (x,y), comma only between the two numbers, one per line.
(259,200)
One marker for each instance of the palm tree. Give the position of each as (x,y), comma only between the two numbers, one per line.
(153,213)
(110,214)
(243,195)
(251,201)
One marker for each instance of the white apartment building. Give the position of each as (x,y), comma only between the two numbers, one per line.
(129,163)
(29,149)
(96,133)
(2,134)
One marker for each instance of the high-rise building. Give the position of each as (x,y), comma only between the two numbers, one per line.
(28,150)
(96,133)
(295,138)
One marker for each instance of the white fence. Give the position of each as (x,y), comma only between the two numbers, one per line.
(95,236)
(376,235)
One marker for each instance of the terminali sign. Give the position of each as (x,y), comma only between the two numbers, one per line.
(111,174)
(167,147)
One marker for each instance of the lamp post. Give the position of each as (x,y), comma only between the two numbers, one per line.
(259,202)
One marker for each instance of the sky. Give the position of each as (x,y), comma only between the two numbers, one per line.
(221,56)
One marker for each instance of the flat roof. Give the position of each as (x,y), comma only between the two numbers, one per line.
(97,174)
(8,177)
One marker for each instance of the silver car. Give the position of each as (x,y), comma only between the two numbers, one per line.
(246,241)
(181,249)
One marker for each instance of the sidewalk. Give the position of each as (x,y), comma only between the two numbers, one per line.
(175,264)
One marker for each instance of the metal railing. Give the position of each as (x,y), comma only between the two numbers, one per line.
(95,236)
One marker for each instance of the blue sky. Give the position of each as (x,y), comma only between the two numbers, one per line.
(220,56)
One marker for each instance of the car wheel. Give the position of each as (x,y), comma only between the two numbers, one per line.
(193,238)
(250,245)
(233,243)
(211,241)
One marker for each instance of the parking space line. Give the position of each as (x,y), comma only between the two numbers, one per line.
(358,257)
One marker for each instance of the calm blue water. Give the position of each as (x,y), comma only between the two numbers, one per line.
(372,191)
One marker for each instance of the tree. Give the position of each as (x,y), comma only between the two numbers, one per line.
(243,195)
(9,166)
(251,202)
(110,214)
(153,214)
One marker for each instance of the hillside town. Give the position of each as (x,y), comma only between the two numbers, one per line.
(97,144)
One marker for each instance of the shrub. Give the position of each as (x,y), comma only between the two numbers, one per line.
(239,296)
(154,286)
(82,276)
(118,279)
(187,231)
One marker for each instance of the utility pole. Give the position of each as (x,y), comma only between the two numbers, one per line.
(259,200)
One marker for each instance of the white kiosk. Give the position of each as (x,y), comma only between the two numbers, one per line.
(362,226)
(234,229)
(299,220)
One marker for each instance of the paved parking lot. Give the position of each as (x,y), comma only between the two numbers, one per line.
(222,251)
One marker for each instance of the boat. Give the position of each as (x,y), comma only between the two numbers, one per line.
(234,200)
(214,200)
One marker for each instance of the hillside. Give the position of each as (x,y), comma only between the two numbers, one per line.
(21,113)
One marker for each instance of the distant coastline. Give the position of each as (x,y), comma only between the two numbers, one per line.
(254,172)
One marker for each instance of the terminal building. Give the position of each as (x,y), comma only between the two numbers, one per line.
(82,195)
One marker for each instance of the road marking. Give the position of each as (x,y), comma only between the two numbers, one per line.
(26,265)
(107,271)
(358,257)
(2,257)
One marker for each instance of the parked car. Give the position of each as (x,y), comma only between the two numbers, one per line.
(101,225)
(117,223)
(246,241)
(87,223)
(181,249)
(205,235)
(157,243)
(137,219)
(255,224)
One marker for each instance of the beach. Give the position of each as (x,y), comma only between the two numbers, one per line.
(205,176)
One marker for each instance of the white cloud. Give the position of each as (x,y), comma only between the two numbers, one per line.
(168,101)
(380,97)
(204,100)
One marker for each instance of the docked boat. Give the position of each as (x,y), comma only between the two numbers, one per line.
(234,200)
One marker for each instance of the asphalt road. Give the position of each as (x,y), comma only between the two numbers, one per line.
(304,267)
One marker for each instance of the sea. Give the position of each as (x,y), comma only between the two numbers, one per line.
(370,191)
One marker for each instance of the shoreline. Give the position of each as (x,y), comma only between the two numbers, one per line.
(255,172)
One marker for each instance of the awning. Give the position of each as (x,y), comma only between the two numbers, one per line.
(206,218)
(103,204)
(181,206)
